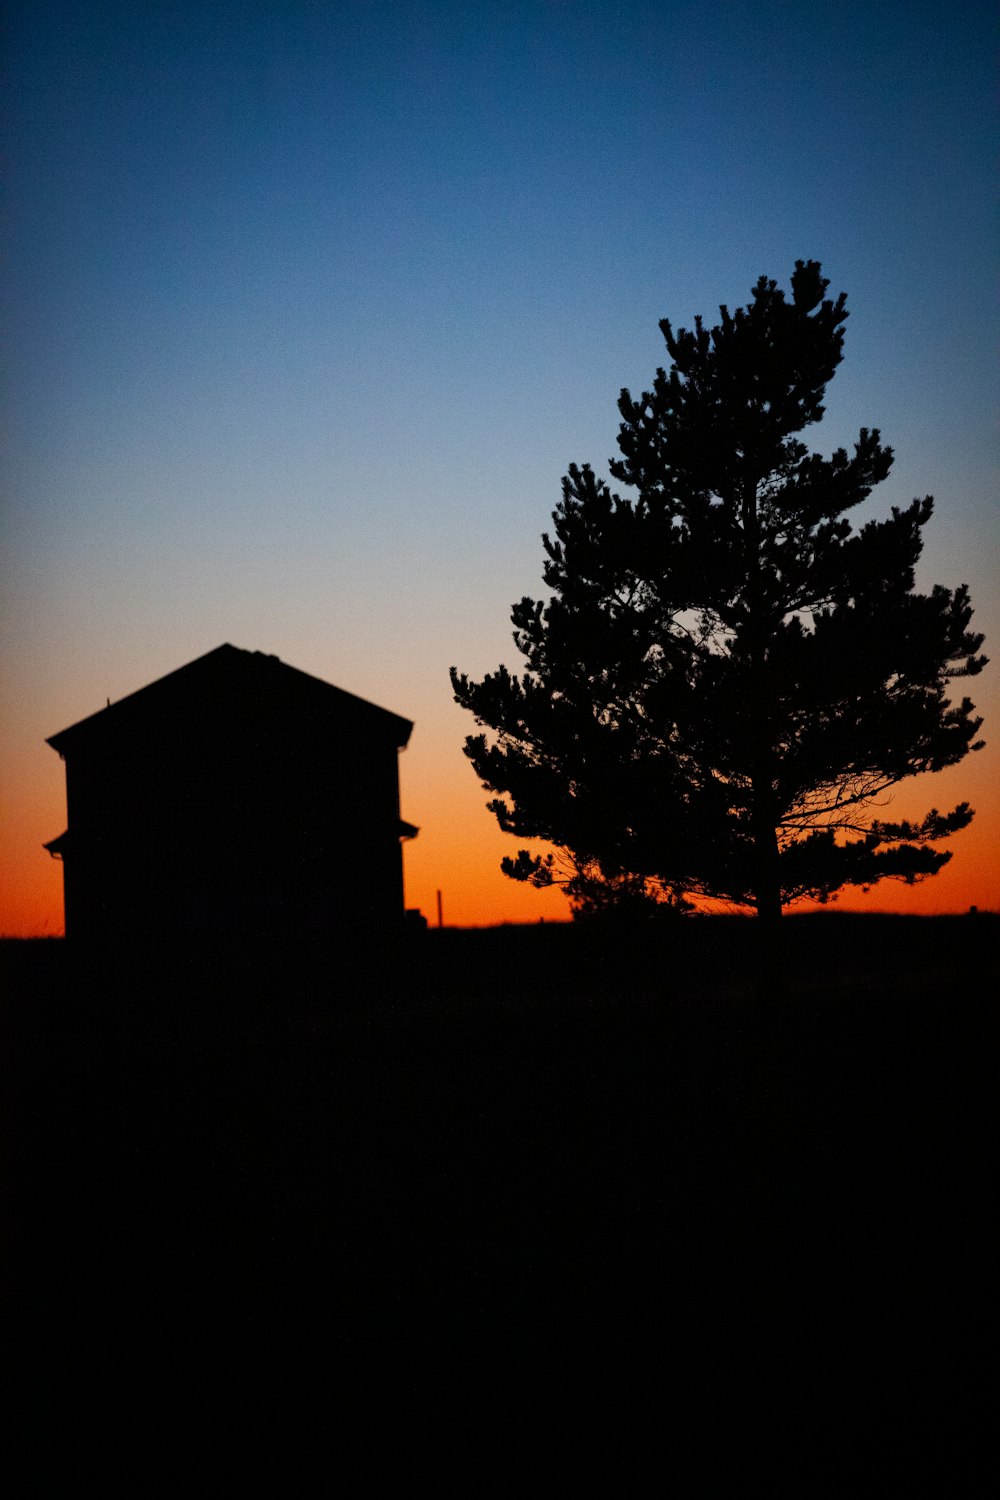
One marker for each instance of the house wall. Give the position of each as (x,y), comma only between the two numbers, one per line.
(193,828)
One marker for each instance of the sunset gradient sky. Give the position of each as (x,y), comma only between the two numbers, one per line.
(311,304)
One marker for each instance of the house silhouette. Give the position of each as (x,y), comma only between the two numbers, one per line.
(237,798)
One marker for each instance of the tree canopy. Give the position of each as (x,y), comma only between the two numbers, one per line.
(729,678)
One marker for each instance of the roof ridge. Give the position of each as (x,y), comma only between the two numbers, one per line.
(114,711)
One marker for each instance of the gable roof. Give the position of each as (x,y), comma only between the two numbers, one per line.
(240,683)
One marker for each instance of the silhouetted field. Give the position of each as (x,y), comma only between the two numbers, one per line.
(511,1182)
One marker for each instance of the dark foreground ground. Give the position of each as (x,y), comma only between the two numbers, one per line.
(512,1210)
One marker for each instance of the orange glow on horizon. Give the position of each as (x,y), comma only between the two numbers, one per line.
(459,847)
(476,894)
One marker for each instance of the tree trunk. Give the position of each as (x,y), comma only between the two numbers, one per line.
(767,885)
(767,895)
(767,871)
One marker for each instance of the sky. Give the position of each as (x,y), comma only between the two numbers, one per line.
(310,306)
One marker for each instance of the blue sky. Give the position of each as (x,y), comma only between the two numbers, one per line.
(311,305)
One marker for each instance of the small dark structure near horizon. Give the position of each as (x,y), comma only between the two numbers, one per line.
(236,798)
